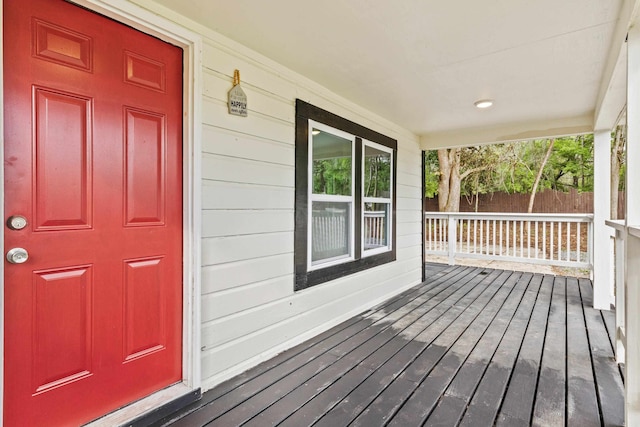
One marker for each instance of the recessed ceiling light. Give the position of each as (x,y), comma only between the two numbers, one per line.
(483,103)
(315,132)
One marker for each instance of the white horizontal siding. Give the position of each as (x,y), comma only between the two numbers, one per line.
(230,144)
(224,303)
(216,86)
(406,204)
(231,169)
(217,223)
(244,272)
(407,228)
(227,329)
(215,113)
(219,250)
(251,345)
(411,191)
(249,310)
(232,195)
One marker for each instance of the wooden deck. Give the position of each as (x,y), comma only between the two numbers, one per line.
(470,347)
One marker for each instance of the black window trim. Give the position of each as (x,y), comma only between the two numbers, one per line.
(304,278)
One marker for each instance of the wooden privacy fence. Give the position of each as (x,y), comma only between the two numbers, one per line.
(553,239)
(547,201)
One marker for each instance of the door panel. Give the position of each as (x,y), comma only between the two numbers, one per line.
(62,159)
(145,165)
(144,326)
(62,319)
(93,160)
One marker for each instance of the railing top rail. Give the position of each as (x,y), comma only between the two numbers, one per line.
(514,216)
(634,231)
(618,224)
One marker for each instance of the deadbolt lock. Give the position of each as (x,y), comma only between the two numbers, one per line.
(16,222)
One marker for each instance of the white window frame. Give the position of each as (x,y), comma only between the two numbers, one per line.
(385,200)
(330,198)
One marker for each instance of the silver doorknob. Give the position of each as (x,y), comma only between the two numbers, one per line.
(17,255)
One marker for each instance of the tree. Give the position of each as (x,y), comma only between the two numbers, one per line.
(617,161)
(534,188)
(457,164)
(571,163)
(516,167)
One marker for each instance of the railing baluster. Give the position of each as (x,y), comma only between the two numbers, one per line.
(551,241)
(536,226)
(500,222)
(488,237)
(475,234)
(507,240)
(544,240)
(494,237)
(559,240)
(514,238)
(528,239)
(578,241)
(521,239)
(568,241)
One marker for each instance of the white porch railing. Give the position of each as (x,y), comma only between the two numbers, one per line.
(552,239)
(375,229)
(620,287)
(330,232)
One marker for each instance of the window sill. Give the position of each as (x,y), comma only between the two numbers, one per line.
(322,275)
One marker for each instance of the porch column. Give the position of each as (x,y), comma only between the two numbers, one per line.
(602,244)
(632,221)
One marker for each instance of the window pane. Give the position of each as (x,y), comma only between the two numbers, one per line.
(377,173)
(331,164)
(376,220)
(330,230)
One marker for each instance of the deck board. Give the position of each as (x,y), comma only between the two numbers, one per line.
(550,407)
(606,370)
(582,404)
(517,404)
(469,347)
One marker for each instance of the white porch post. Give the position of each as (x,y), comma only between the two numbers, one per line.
(602,245)
(632,220)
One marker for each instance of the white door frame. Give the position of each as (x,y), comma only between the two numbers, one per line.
(191,43)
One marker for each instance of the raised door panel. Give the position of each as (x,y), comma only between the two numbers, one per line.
(145,168)
(62,160)
(62,319)
(144,307)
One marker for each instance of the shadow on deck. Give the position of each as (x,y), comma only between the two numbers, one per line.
(469,347)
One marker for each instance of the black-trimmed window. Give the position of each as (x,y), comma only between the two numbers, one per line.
(345,197)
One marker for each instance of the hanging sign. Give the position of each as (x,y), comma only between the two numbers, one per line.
(237,98)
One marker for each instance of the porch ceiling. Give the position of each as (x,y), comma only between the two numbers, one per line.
(422,63)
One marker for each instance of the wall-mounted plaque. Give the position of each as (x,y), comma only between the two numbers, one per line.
(237,99)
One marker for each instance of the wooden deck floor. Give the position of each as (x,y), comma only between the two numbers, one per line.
(470,347)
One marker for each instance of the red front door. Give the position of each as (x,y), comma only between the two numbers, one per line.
(93,162)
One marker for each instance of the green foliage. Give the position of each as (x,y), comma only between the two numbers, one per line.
(571,164)
(377,176)
(512,167)
(332,176)
(431,174)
